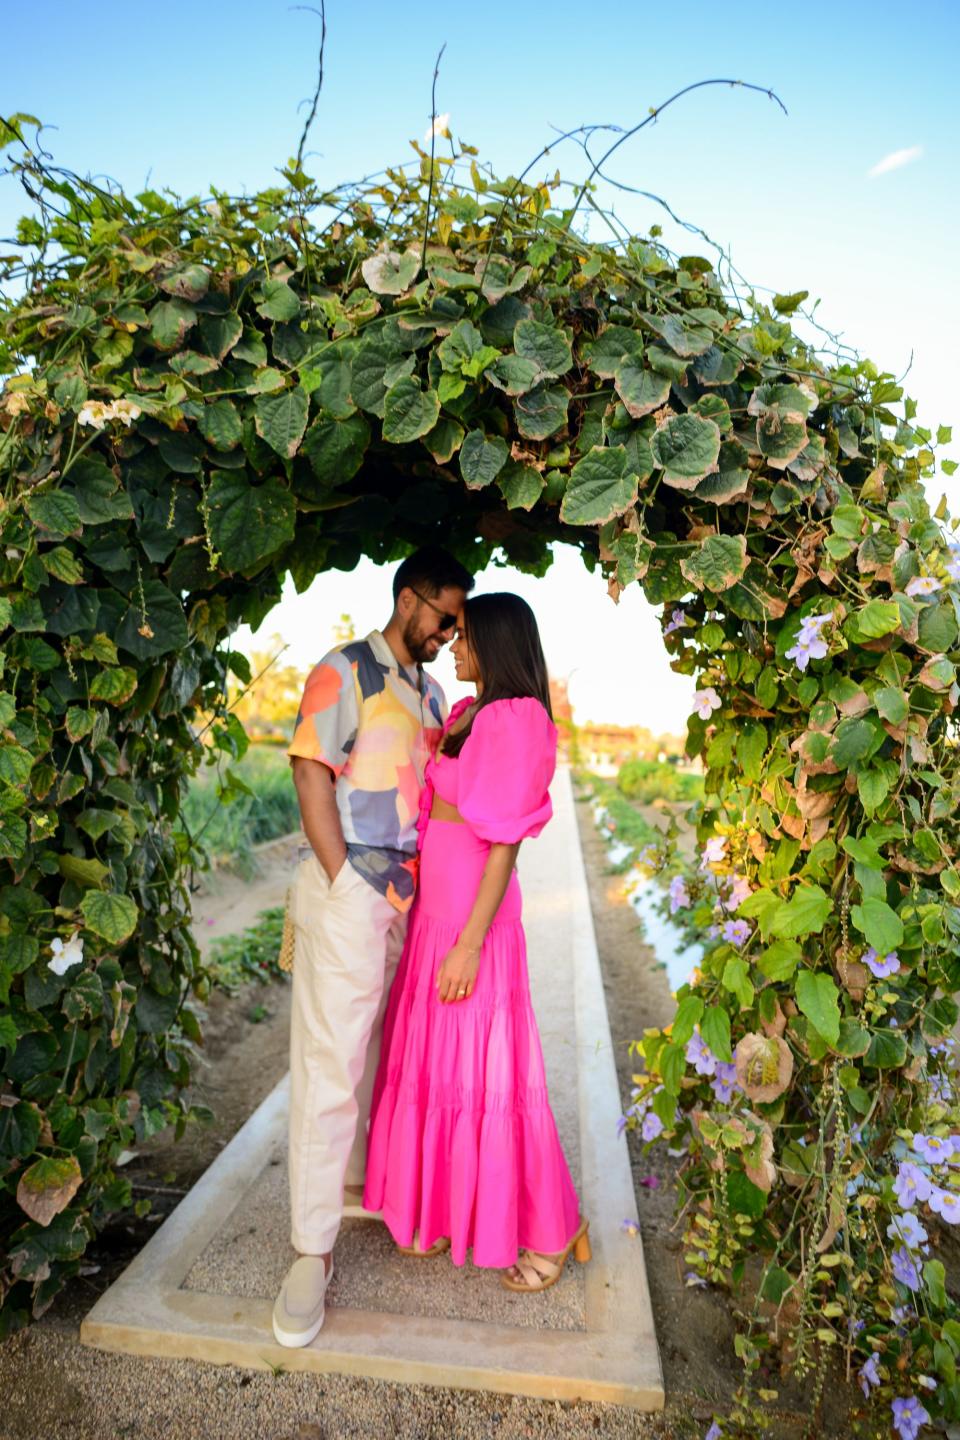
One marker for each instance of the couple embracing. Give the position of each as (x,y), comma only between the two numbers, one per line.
(417,1081)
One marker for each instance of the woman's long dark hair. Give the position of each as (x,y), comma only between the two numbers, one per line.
(505,643)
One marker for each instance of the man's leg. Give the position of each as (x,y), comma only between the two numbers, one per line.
(338,982)
(357,1164)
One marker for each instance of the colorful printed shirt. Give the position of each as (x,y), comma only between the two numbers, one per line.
(375,723)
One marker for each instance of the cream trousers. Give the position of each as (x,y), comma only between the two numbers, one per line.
(348,942)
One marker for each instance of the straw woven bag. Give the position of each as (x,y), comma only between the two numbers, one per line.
(285,957)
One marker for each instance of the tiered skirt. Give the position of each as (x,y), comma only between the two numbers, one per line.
(463,1142)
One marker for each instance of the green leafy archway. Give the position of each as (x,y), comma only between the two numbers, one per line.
(202,397)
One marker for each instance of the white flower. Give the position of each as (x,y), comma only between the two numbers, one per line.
(706,701)
(923,585)
(440,126)
(213,208)
(94,413)
(65,955)
(125,410)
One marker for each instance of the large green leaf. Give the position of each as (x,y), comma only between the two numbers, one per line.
(368,385)
(281,419)
(99,496)
(640,389)
(715,1032)
(717,564)
(610,348)
(731,480)
(409,412)
(15,764)
(248,521)
(818,998)
(219,333)
(879,924)
(154,626)
(112,916)
(520,485)
(335,448)
(805,913)
(56,512)
(687,447)
(115,684)
(169,322)
(542,411)
(482,457)
(545,345)
(684,335)
(220,424)
(601,486)
(279,301)
(513,374)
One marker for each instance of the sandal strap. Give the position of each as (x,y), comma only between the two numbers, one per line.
(536,1268)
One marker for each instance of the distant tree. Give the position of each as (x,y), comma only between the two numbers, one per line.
(267,708)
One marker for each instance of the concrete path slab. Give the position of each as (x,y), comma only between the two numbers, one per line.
(203,1287)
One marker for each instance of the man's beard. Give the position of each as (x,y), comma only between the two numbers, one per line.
(419,646)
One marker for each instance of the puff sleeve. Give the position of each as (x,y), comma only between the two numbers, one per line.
(506,765)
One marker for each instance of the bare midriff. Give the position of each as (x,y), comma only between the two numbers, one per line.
(443,810)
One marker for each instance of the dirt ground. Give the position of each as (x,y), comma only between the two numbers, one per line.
(55,1389)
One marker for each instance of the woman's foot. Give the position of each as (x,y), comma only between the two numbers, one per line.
(534,1271)
(439,1247)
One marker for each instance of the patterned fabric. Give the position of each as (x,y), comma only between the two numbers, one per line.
(364,716)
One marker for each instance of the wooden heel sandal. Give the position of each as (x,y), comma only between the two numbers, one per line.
(539,1272)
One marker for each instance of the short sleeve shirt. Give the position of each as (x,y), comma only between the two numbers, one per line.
(375,724)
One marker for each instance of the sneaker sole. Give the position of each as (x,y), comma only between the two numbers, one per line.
(295,1339)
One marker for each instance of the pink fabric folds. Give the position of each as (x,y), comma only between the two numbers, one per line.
(505,769)
(462,1141)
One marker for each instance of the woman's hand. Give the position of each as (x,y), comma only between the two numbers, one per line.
(458,973)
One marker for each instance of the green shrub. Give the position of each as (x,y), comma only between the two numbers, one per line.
(649,780)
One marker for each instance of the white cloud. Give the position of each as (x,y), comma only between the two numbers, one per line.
(895,160)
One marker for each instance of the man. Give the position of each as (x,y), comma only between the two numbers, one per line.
(368,721)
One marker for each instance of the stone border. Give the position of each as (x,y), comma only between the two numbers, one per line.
(615,1359)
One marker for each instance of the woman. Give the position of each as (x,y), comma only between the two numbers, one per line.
(463,1147)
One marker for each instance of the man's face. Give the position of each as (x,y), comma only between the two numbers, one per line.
(425,633)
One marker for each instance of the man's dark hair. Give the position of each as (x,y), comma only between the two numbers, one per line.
(431,569)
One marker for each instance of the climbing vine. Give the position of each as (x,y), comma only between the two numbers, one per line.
(202,396)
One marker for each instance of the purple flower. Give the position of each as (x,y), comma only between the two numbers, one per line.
(678,621)
(622,1124)
(923,585)
(952,566)
(738,890)
(679,895)
(935,1148)
(881,967)
(714,1433)
(907,1229)
(905,1268)
(736,931)
(901,1315)
(652,1126)
(946,1204)
(706,701)
(630,1227)
(724,1081)
(909,1417)
(941,1090)
(806,650)
(714,851)
(869,1375)
(700,1056)
(911,1184)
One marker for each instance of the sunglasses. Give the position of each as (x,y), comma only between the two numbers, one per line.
(445,621)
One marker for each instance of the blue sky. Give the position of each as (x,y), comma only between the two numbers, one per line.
(186,95)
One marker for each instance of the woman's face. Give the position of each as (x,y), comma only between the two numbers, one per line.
(464,662)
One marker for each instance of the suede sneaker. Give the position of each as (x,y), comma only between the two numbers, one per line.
(299,1310)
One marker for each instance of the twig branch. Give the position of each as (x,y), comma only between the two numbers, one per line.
(316,94)
(433,148)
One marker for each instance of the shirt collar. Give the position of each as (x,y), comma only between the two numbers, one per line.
(385,656)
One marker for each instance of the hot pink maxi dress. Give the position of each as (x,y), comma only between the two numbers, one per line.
(463,1142)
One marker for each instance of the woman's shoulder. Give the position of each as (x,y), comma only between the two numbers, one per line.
(524,713)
